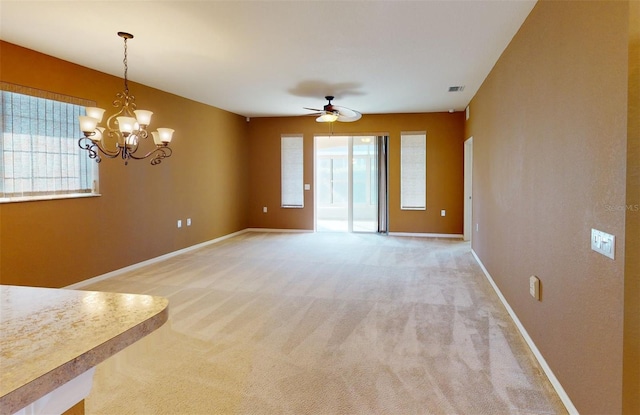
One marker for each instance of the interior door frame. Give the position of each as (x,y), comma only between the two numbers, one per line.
(468,189)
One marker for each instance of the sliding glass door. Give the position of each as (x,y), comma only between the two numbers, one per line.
(364,191)
(332,183)
(347,185)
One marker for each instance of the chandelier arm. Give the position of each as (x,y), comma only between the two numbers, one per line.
(125,101)
(87,144)
(164,153)
(108,153)
(141,133)
(131,148)
(159,153)
(127,105)
(95,149)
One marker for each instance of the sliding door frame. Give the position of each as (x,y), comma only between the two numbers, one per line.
(382,142)
(382,167)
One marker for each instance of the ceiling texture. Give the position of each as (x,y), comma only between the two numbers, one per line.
(272,58)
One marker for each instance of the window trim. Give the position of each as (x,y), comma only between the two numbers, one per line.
(34,198)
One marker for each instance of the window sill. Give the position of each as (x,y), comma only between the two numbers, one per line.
(18,199)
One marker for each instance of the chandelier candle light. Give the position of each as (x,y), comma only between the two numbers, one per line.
(126,127)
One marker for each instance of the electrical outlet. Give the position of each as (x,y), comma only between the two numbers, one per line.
(179,223)
(443,212)
(188,221)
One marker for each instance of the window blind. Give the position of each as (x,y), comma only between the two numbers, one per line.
(413,171)
(39,153)
(292,173)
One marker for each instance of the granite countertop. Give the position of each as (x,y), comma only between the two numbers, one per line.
(49,336)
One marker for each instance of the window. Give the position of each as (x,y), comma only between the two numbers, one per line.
(39,153)
(292,171)
(413,171)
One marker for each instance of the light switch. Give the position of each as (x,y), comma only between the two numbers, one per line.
(534,287)
(603,243)
(443,212)
(307,186)
(179,223)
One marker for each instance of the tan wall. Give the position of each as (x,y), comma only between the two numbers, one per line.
(550,136)
(631,378)
(445,151)
(56,243)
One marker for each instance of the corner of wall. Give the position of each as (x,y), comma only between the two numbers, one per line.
(631,344)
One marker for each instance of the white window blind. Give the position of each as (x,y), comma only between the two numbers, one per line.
(292,173)
(413,171)
(39,153)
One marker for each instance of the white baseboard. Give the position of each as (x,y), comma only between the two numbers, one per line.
(428,235)
(120,271)
(279,230)
(543,363)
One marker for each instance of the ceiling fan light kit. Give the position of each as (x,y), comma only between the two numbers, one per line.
(331,113)
(327,117)
(127,126)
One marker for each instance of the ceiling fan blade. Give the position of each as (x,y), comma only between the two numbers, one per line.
(347,114)
(356,117)
(312,109)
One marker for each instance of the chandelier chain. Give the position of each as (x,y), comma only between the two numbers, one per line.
(126,68)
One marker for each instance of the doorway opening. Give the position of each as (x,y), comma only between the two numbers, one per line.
(350,183)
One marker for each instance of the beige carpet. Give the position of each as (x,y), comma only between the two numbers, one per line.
(269,323)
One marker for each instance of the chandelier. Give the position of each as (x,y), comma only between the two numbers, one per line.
(126,127)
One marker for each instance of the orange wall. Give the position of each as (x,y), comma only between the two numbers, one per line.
(550,136)
(60,242)
(445,143)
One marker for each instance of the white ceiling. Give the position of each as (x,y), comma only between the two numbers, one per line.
(272,58)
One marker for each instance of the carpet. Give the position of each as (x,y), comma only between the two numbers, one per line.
(323,323)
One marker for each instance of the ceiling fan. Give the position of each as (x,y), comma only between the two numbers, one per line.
(331,113)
